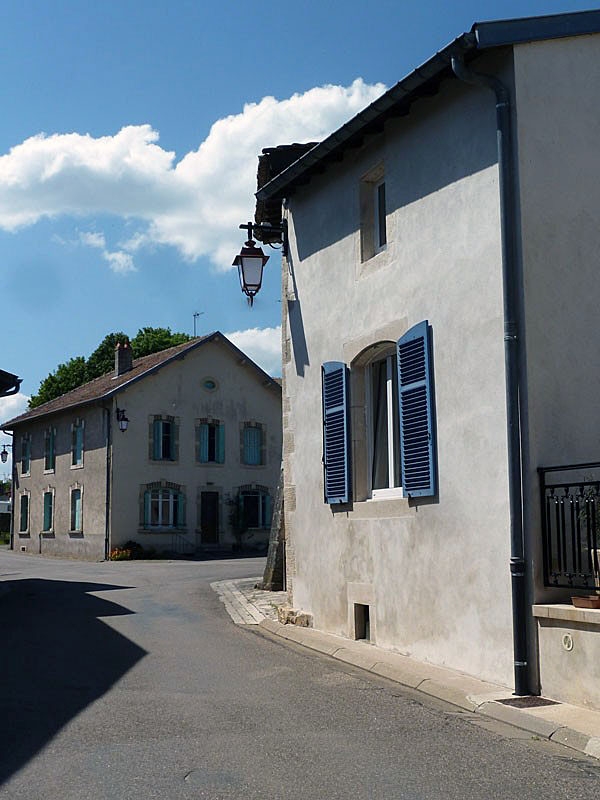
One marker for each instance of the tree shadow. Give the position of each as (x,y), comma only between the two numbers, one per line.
(58,657)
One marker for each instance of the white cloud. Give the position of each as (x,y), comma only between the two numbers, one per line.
(195,204)
(118,260)
(10,407)
(263,345)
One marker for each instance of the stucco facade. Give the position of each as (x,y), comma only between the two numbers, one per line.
(176,480)
(432,574)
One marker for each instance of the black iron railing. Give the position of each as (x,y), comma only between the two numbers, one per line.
(570,498)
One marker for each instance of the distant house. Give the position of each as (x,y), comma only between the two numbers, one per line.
(441,300)
(179,451)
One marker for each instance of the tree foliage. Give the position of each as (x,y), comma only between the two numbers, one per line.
(79,370)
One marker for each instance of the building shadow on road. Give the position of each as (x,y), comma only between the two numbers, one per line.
(57,658)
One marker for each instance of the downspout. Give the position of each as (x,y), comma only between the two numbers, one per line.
(510,282)
(107,417)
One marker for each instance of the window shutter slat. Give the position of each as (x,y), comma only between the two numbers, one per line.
(336,450)
(417,435)
(220,444)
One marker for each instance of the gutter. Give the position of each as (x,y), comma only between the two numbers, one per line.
(512,327)
(108,418)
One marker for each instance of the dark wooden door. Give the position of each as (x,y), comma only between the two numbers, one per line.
(209,517)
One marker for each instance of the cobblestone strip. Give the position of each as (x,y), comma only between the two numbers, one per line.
(245,604)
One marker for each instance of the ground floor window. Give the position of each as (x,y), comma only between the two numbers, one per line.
(164,507)
(76,504)
(24,514)
(48,524)
(255,508)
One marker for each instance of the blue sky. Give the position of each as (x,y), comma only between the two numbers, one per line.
(128,149)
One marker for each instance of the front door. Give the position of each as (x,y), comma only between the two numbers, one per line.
(209,517)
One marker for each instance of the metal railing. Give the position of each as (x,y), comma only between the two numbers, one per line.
(570,506)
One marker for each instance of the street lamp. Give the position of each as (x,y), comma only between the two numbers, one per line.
(4,453)
(121,419)
(250,262)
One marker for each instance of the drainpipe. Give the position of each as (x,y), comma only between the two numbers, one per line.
(107,418)
(508,216)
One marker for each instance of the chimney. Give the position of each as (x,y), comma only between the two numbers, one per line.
(123,358)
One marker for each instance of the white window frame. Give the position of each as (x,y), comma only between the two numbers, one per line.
(76,488)
(392,442)
(52,491)
(379,218)
(26,530)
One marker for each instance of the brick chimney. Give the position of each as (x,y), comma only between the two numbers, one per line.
(123,358)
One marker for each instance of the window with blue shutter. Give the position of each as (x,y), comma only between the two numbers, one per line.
(252,444)
(417,434)
(48,511)
(210,438)
(336,430)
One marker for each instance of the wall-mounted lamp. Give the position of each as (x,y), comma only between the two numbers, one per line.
(251,260)
(121,419)
(4,453)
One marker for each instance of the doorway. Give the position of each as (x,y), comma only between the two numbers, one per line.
(209,517)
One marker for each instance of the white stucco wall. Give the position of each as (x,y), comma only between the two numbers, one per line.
(242,394)
(434,573)
(558,123)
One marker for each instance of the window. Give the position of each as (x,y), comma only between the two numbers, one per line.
(253,444)
(255,507)
(164,439)
(373,213)
(76,508)
(24,513)
(164,507)
(49,449)
(48,524)
(77,443)
(379,217)
(383,426)
(210,442)
(26,454)
(399,427)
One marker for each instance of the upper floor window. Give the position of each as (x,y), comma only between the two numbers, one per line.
(164,507)
(77,429)
(210,442)
(50,449)
(26,454)
(48,521)
(76,509)
(164,438)
(373,213)
(24,513)
(253,444)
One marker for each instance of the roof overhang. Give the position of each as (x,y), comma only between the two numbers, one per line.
(9,383)
(423,81)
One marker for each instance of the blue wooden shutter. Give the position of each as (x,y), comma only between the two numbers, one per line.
(203,443)
(415,392)
(146,509)
(157,440)
(180,510)
(336,450)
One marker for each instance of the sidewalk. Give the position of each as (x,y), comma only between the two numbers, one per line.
(575,727)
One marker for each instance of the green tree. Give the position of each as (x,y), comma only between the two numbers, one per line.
(102,360)
(65,378)
(78,370)
(153,340)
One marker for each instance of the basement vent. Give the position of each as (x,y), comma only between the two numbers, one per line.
(23,548)
(530,701)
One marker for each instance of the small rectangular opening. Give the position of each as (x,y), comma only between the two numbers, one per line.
(23,548)
(362,628)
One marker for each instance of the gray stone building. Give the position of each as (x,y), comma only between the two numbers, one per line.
(440,324)
(178,451)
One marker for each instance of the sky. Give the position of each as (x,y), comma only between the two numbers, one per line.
(128,153)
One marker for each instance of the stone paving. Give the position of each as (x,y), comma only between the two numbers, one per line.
(247,605)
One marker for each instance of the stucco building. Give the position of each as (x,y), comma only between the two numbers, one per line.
(440,291)
(179,450)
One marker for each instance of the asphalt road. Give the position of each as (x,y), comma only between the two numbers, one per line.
(129,680)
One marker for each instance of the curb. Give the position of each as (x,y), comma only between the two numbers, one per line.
(459,690)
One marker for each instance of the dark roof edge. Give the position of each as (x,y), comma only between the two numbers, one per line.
(483,35)
(181,354)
